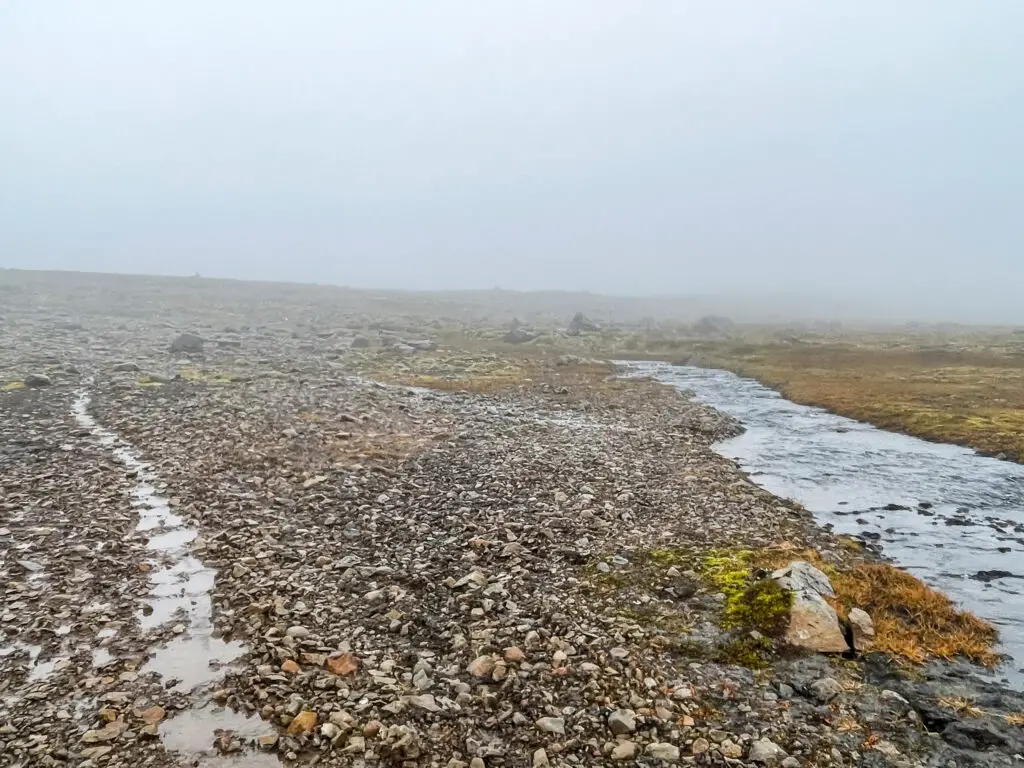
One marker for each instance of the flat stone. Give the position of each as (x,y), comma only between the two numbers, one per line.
(663,751)
(765,751)
(552,725)
(624,750)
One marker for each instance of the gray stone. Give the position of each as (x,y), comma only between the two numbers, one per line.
(552,725)
(765,751)
(37,380)
(622,721)
(582,324)
(187,344)
(826,689)
(360,342)
(659,750)
(518,336)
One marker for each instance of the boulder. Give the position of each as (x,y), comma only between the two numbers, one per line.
(187,344)
(582,324)
(714,325)
(813,623)
(360,342)
(518,336)
(862,628)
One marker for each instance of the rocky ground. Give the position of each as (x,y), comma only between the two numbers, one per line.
(336,568)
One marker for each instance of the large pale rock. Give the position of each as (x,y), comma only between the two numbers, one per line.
(800,576)
(863,629)
(813,623)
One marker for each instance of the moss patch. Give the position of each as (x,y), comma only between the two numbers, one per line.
(12,385)
(753,604)
(193,374)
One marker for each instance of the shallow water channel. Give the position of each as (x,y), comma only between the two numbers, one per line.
(180,586)
(953,518)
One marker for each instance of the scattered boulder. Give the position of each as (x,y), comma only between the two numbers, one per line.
(187,344)
(360,342)
(518,336)
(127,368)
(582,324)
(813,623)
(714,325)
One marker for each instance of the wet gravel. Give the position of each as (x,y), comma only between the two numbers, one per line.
(265,557)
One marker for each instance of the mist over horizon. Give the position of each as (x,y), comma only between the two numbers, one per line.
(841,160)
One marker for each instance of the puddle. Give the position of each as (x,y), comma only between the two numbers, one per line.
(38,671)
(195,726)
(101,657)
(180,587)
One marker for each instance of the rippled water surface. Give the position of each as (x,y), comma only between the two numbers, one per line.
(954,518)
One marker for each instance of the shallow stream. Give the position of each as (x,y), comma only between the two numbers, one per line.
(952,517)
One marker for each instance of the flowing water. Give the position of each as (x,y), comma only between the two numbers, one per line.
(952,517)
(180,588)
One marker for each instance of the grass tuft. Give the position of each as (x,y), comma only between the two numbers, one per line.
(912,621)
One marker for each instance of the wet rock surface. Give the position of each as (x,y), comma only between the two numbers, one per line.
(402,576)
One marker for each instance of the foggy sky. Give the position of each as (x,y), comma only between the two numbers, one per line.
(665,146)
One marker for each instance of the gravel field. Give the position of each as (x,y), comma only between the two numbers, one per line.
(274,552)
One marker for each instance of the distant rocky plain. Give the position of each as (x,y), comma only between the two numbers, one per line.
(248,524)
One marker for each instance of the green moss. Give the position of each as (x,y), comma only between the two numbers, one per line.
(666,557)
(190,373)
(763,606)
(750,651)
(146,381)
(753,604)
(11,386)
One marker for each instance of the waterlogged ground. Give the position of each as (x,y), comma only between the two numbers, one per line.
(951,516)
